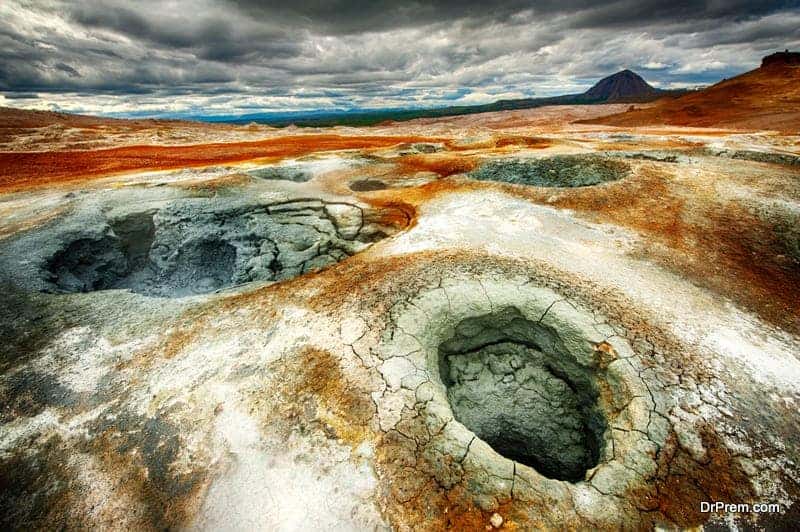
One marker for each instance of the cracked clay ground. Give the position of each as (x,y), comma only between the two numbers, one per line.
(253,342)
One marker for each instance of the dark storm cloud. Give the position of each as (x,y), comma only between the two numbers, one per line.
(627,13)
(212,36)
(343,16)
(248,54)
(71,72)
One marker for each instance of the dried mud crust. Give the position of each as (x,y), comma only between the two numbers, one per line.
(557,171)
(199,245)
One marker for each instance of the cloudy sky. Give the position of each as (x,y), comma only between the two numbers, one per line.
(229,57)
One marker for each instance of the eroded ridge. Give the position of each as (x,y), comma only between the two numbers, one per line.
(196,245)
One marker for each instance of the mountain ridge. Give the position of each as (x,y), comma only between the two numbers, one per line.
(624,86)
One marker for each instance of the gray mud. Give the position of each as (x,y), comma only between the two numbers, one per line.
(367,185)
(557,171)
(784,159)
(511,383)
(296,174)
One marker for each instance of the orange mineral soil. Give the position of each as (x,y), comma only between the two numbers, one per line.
(20,170)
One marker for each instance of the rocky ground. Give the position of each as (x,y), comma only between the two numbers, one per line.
(502,321)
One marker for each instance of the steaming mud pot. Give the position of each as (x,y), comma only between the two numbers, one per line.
(303,169)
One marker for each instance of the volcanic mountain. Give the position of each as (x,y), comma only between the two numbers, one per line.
(624,86)
(765,98)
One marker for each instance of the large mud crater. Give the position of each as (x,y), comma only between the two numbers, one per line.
(512,382)
(199,245)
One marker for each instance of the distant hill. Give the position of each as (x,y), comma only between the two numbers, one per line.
(13,118)
(765,98)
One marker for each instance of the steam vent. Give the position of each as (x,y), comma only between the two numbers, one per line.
(237,306)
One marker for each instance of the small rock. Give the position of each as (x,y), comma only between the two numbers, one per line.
(496,520)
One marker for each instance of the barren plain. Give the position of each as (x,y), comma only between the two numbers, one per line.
(514,320)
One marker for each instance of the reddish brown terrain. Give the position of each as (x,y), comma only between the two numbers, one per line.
(767,98)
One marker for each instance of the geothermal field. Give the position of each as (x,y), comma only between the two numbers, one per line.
(566,317)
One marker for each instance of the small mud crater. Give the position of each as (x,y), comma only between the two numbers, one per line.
(191,247)
(296,174)
(511,382)
(558,171)
(367,185)
(419,147)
